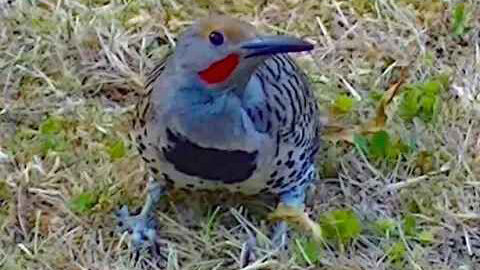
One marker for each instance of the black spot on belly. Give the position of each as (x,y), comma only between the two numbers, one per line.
(264,190)
(290,163)
(228,166)
(167,178)
(154,170)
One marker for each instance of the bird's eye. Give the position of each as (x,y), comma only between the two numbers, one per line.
(216,38)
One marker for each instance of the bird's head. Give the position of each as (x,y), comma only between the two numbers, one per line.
(220,51)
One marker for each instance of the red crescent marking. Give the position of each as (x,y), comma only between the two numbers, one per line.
(219,71)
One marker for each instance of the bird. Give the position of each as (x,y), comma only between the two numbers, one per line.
(228,109)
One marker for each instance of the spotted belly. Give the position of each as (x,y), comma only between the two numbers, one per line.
(185,165)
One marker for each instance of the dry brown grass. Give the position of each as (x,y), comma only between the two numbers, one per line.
(81,63)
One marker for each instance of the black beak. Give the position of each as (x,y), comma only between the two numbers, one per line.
(267,45)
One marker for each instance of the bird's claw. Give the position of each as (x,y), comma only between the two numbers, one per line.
(247,255)
(142,228)
(299,217)
(279,236)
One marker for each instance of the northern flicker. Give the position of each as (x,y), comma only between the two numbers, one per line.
(230,110)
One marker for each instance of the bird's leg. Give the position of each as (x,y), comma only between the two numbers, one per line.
(279,236)
(291,209)
(142,226)
(248,251)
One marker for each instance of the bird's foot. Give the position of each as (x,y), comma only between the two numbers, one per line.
(279,243)
(247,256)
(297,216)
(280,236)
(141,227)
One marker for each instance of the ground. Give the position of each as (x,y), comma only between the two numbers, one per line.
(405,197)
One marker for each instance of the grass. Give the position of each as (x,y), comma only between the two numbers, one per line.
(406,197)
